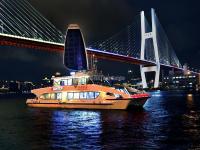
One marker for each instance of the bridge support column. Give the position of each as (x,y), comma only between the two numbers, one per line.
(155,69)
(144,36)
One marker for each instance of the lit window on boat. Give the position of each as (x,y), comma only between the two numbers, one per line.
(117,96)
(126,91)
(42,97)
(58,96)
(83,95)
(82,81)
(76,95)
(47,96)
(56,83)
(69,82)
(90,95)
(62,83)
(65,82)
(70,95)
(52,96)
(121,90)
(96,94)
(75,81)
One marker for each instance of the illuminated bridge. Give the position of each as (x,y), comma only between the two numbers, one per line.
(139,43)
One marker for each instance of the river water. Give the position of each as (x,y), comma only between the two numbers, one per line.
(170,120)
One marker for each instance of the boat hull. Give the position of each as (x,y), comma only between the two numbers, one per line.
(117,104)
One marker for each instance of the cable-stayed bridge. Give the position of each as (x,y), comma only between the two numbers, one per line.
(21,25)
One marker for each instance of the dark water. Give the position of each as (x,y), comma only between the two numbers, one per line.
(169,121)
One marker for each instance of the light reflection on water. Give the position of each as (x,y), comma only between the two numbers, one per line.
(191,121)
(169,121)
(76,129)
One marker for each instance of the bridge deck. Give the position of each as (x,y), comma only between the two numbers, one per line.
(22,42)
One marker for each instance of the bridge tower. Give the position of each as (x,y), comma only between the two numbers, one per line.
(149,35)
(75,56)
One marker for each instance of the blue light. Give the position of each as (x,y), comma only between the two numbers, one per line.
(75,128)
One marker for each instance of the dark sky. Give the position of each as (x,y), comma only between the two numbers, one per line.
(100,19)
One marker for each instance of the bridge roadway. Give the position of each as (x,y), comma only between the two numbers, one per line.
(23,42)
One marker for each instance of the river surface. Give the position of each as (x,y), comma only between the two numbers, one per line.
(170,120)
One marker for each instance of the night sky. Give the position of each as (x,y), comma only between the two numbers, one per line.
(101,19)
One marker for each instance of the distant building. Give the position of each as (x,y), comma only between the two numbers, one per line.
(178,81)
(17,86)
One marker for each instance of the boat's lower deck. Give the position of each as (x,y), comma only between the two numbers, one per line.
(107,104)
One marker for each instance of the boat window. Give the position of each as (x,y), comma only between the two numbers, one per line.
(65,82)
(126,91)
(76,95)
(90,95)
(75,81)
(122,90)
(118,96)
(83,95)
(96,94)
(56,83)
(42,96)
(69,82)
(52,96)
(62,83)
(110,94)
(58,96)
(82,81)
(70,95)
(45,96)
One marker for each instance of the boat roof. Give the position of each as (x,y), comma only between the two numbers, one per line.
(76,75)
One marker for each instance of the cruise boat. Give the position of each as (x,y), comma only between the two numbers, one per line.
(80,91)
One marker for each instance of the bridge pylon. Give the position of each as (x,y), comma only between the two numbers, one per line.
(144,36)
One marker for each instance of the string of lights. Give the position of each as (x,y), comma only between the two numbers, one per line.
(128,42)
(21,19)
